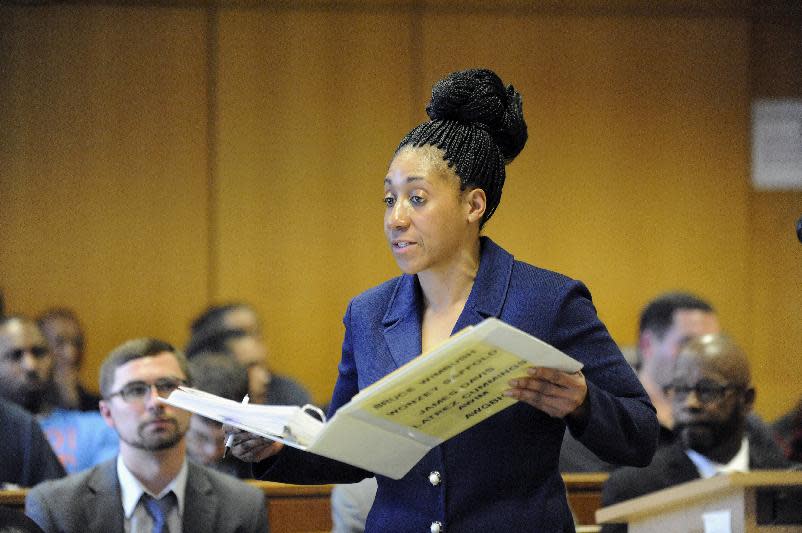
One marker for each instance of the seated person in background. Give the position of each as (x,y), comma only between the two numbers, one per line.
(64,334)
(150,484)
(235,329)
(711,394)
(665,323)
(350,505)
(221,375)
(788,433)
(80,439)
(27,457)
(237,315)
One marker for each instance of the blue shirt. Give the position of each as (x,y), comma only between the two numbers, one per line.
(80,438)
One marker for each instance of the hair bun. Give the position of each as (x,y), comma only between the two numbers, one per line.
(478,97)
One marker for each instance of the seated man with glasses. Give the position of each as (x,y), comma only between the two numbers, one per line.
(711,395)
(150,486)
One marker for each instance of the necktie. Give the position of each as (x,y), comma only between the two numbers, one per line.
(158,510)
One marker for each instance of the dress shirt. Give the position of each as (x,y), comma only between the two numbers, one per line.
(708,468)
(137,518)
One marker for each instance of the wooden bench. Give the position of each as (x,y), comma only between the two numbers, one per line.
(584,495)
(307,508)
(290,508)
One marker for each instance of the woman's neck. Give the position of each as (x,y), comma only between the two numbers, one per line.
(449,286)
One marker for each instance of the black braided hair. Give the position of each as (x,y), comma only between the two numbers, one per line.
(479,125)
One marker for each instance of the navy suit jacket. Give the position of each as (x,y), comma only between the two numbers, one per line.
(27,457)
(90,501)
(502,473)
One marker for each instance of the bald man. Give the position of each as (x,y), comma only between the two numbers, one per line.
(711,395)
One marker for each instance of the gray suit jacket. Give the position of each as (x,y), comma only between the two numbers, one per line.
(90,501)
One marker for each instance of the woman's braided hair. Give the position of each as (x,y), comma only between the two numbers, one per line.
(479,125)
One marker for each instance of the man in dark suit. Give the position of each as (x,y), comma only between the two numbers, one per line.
(150,486)
(711,394)
(27,456)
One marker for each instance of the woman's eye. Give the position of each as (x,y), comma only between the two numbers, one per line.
(416,200)
(389,201)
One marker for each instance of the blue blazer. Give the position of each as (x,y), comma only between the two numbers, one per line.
(501,474)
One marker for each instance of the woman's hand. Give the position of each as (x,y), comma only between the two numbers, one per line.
(249,447)
(556,393)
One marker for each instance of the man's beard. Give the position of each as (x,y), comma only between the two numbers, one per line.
(30,398)
(703,437)
(33,401)
(158,441)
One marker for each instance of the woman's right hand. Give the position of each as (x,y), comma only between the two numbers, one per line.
(249,447)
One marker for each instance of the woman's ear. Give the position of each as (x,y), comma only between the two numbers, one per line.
(476,203)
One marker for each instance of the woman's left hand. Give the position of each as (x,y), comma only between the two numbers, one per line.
(554,392)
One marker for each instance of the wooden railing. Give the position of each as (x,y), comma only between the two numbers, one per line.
(306,508)
(584,495)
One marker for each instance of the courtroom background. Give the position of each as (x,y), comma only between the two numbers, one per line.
(156,157)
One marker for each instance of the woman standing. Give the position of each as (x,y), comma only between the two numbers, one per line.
(443,184)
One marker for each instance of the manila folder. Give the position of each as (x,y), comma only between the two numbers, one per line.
(390,425)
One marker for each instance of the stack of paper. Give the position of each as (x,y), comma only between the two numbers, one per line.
(279,422)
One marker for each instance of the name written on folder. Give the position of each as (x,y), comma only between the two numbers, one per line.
(443,398)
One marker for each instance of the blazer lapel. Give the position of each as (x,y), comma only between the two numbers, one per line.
(200,505)
(402,324)
(102,501)
(680,467)
(402,321)
(490,287)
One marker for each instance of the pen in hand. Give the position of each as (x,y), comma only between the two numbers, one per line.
(230,439)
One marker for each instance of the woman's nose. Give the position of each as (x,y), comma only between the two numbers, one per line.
(398,216)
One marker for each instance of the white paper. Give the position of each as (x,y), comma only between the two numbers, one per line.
(717,522)
(777,144)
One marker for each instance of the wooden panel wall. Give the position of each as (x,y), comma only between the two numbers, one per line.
(159,159)
(635,132)
(103,181)
(776,254)
(311,105)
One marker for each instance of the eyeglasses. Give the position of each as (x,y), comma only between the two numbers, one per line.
(136,391)
(705,391)
(16,355)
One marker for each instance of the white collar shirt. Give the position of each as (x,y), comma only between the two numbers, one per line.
(708,468)
(137,518)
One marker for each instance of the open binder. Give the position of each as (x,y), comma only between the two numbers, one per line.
(389,426)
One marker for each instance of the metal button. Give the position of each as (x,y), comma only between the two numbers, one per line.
(436,527)
(434,478)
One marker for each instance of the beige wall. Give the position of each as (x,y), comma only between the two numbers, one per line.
(103,168)
(155,160)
